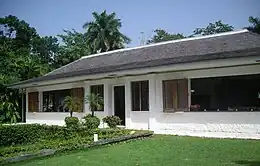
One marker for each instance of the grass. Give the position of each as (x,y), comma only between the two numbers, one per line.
(162,150)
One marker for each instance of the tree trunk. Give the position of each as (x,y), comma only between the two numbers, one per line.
(71,113)
(92,113)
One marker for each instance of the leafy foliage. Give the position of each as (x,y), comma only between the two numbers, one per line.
(213,28)
(72,122)
(74,46)
(91,122)
(26,138)
(9,110)
(161,35)
(103,33)
(255,27)
(73,104)
(112,121)
(95,102)
(46,49)
(33,133)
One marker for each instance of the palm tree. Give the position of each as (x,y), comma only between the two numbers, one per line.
(95,102)
(73,104)
(255,21)
(103,33)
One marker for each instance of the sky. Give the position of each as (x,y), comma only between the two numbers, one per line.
(50,17)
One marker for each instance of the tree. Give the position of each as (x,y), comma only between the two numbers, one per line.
(29,67)
(161,35)
(103,33)
(213,28)
(45,49)
(18,30)
(255,27)
(95,102)
(73,104)
(20,58)
(74,45)
(8,109)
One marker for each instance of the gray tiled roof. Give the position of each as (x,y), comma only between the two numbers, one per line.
(228,45)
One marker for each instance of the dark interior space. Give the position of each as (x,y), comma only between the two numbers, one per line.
(53,101)
(119,102)
(230,93)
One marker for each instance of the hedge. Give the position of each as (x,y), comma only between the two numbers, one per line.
(29,138)
(35,153)
(35,133)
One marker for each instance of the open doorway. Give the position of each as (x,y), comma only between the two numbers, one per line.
(119,102)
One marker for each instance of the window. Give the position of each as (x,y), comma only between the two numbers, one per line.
(98,89)
(228,93)
(53,101)
(140,96)
(33,102)
(175,95)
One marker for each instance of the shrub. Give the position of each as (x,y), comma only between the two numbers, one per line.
(26,138)
(91,122)
(35,133)
(72,122)
(112,121)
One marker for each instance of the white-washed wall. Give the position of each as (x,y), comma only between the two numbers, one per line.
(49,118)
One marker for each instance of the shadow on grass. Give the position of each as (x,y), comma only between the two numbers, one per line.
(248,163)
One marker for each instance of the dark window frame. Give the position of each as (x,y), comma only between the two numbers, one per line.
(48,96)
(95,89)
(140,95)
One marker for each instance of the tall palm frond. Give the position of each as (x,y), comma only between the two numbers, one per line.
(73,104)
(103,33)
(255,27)
(95,102)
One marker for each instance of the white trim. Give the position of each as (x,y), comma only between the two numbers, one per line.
(167,42)
(27,101)
(40,98)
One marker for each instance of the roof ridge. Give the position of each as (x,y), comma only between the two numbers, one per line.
(167,42)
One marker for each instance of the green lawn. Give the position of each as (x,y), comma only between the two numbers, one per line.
(161,151)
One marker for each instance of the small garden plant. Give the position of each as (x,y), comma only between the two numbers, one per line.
(72,122)
(73,104)
(112,121)
(91,122)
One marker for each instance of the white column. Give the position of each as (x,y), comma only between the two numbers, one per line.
(107,99)
(159,95)
(40,99)
(86,92)
(152,102)
(127,103)
(27,101)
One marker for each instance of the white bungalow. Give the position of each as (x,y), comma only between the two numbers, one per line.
(205,86)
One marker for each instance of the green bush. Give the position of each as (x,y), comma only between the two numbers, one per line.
(26,138)
(91,122)
(11,135)
(112,121)
(72,122)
